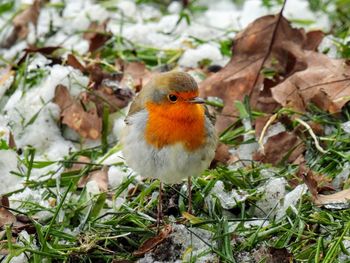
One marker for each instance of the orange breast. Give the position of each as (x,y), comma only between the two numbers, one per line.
(173,123)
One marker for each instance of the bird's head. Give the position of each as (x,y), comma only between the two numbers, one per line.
(172,89)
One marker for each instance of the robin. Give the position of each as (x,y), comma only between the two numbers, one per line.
(169,135)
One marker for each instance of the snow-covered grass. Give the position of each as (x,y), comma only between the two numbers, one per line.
(236,208)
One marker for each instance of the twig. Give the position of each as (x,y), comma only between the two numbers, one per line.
(273,38)
(307,126)
(268,123)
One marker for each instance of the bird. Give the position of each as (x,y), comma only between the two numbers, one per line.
(169,134)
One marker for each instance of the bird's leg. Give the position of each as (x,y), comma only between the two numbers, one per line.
(160,206)
(189,195)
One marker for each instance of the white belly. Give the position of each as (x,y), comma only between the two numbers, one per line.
(170,164)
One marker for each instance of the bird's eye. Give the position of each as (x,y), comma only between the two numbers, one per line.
(172,98)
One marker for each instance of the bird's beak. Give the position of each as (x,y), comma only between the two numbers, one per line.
(197,100)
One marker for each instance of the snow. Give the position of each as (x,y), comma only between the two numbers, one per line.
(274,191)
(342,176)
(230,199)
(192,57)
(78,15)
(92,188)
(346,126)
(43,133)
(291,200)
(33,196)
(8,163)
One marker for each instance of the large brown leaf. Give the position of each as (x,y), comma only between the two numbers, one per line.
(325,82)
(236,80)
(87,123)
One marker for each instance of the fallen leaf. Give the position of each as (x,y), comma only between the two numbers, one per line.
(280,146)
(87,123)
(318,183)
(12,143)
(222,154)
(153,242)
(21,23)
(136,75)
(338,200)
(113,96)
(324,81)
(4,201)
(313,39)
(74,62)
(100,177)
(97,35)
(97,75)
(80,163)
(6,217)
(237,78)
(47,51)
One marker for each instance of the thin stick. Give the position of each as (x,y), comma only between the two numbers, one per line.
(268,123)
(269,49)
(313,135)
(189,195)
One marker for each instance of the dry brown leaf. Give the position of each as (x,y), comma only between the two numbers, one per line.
(6,217)
(87,123)
(222,154)
(316,183)
(278,147)
(12,142)
(313,39)
(116,98)
(153,242)
(21,23)
(324,81)
(137,74)
(98,75)
(342,198)
(236,79)
(97,35)
(100,177)
(4,201)
(74,62)
(80,163)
